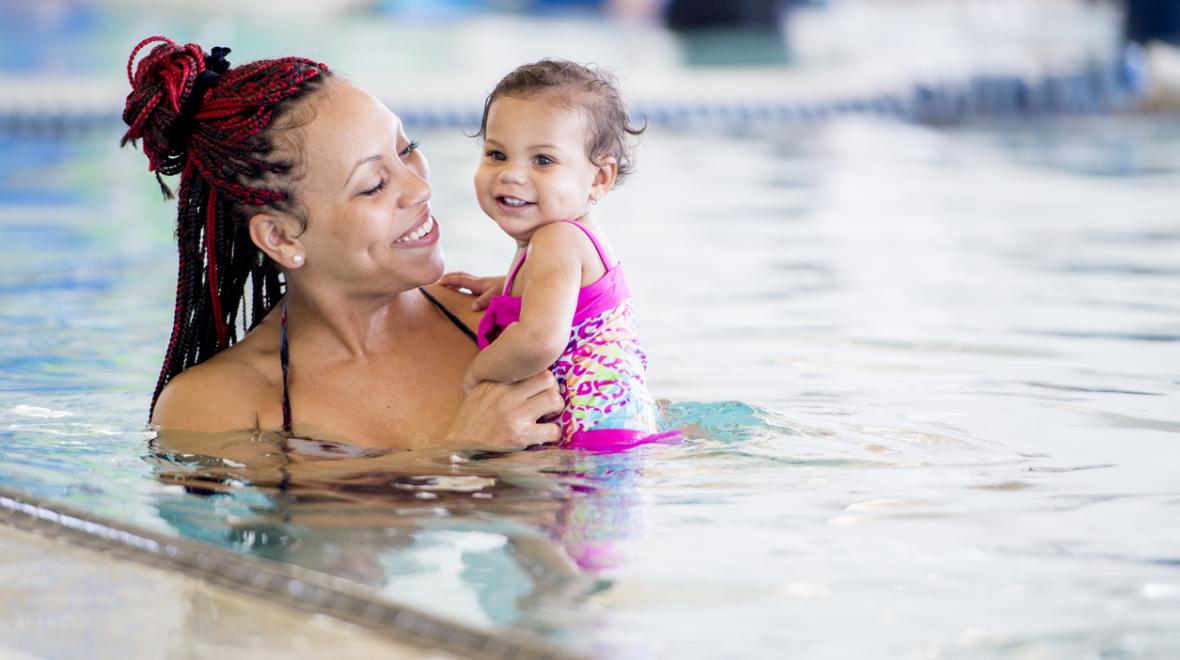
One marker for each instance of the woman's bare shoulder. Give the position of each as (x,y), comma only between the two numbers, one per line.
(457,303)
(223,393)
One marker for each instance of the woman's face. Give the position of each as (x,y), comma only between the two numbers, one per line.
(366,198)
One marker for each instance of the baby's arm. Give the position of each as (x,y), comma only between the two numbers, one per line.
(552,278)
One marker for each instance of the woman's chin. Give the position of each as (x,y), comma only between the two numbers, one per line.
(435,274)
(432,269)
(407,274)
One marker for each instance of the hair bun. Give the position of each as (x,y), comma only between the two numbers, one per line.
(160,86)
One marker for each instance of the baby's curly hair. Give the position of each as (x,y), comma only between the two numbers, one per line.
(587,88)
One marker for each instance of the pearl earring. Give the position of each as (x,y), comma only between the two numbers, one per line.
(298,259)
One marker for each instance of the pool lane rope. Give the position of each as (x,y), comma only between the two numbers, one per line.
(274,582)
(1092,88)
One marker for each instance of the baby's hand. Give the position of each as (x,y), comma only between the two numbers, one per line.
(484,288)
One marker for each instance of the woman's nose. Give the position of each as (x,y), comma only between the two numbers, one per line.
(415,189)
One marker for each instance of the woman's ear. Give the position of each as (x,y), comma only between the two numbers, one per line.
(275,234)
(604,177)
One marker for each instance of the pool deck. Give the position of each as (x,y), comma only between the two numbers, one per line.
(56,599)
(53,556)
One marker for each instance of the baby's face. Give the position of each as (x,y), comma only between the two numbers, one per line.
(534,169)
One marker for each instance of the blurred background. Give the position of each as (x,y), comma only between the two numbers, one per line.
(908,268)
(60,59)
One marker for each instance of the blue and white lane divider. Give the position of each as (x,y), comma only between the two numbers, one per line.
(1093,88)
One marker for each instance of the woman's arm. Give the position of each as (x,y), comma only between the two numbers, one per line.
(552,279)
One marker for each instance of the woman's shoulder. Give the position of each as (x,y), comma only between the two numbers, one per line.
(224,393)
(457,303)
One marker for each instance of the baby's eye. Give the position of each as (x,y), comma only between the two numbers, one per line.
(543,160)
(496,155)
(410,148)
(372,192)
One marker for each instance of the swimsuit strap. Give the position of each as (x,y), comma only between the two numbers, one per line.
(450,316)
(594,240)
(512,275)
(285,361)
(589,234)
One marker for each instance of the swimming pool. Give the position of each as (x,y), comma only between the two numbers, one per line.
(930,378)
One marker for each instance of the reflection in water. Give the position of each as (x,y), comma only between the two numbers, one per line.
(536,525)
(591,524)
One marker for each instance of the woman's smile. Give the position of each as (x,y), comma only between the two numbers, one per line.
(423,233)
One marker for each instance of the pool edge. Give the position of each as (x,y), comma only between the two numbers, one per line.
(275,582)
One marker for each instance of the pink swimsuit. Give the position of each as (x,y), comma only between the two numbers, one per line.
(600,373)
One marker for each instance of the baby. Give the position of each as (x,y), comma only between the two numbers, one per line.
(556,140)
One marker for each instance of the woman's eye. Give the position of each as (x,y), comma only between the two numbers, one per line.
(496,155)
(544,160)
(371,192)
(410,148)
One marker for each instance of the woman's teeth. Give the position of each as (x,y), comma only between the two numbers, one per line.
(419,232)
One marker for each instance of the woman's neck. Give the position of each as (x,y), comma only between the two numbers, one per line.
(355,325)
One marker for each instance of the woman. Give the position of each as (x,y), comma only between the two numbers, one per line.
(287,170)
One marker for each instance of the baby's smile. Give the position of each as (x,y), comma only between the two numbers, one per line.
(513,202)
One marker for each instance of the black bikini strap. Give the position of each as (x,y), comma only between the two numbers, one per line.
(450,315)
(285,361)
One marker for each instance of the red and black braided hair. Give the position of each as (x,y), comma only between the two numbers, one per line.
(215,127)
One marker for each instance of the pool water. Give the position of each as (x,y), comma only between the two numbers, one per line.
(929,377)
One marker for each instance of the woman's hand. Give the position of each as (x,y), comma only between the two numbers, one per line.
(502,417)
(484,288)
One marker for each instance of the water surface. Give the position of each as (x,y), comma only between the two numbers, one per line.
(930,378)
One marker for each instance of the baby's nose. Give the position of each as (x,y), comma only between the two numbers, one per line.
(512,175)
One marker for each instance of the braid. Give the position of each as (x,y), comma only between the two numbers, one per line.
(219,140)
